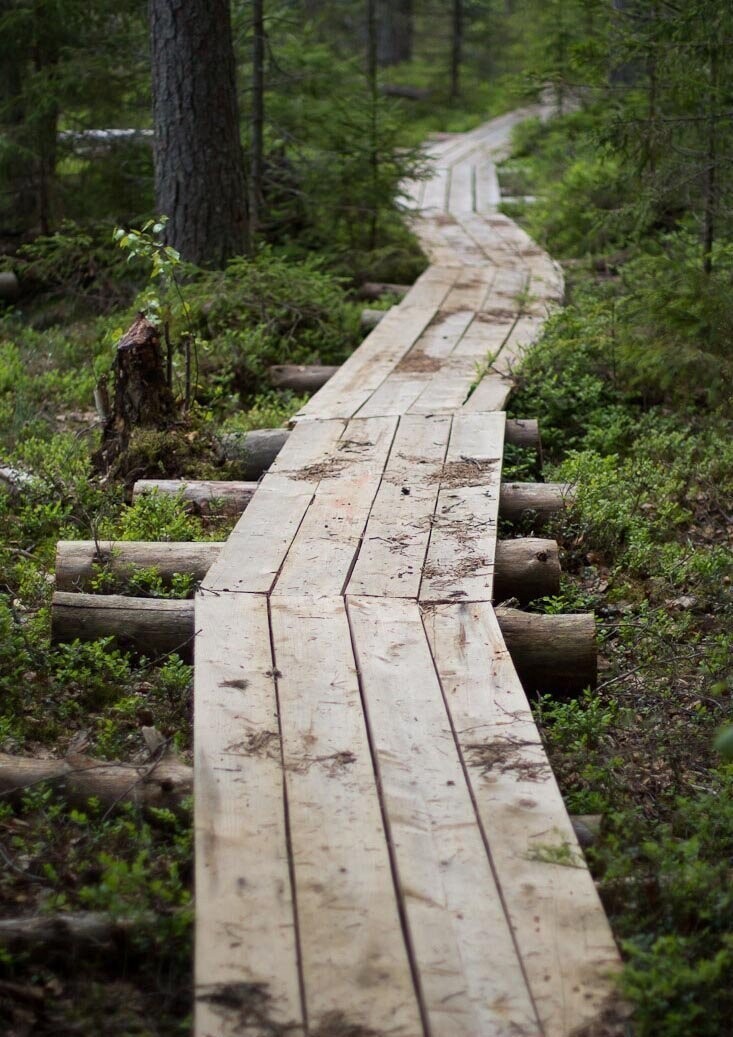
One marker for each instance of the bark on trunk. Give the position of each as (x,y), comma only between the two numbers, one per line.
(163,784)
(534,501)
(254,450)
(519,501)
(300,377)
(394,32)
(372,290)
(228,498)
(526,568)
(199,168)
(142,397)
(551,653)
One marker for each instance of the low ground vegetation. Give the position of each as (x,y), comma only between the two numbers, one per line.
(631,386)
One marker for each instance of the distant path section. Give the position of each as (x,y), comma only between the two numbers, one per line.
(382,849)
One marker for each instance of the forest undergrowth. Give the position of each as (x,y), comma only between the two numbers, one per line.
(631,385)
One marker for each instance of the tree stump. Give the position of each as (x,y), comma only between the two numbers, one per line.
(142,396)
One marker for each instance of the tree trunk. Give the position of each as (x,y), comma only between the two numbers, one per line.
(204,496)
(258,116)
(456,51)
(550,653)
(526,568)
(164,784)
(519,501)
(300,377)
(199,168)
(394,32)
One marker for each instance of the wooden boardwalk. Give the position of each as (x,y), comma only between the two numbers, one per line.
(381,846)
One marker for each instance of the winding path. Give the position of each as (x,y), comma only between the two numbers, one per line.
(382,848)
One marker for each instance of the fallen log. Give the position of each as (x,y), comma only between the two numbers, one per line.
(67,933)
(9,286)
(370,318)
(203,495)
(163,783)
(300,377)
(255,450)
(78,562)
(526,568)
(550,652)
(372,290)
(153,626)
(518,500)
(535,501)
(523,432)
(587,828)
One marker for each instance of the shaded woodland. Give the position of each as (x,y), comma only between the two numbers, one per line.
(221,186)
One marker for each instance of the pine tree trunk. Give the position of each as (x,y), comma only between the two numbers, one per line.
(199,167)
(258,116)
(456,56)
(394,32)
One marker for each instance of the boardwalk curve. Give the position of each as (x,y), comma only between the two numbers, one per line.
(381,846)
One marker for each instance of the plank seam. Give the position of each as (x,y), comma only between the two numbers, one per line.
(288,829)
(479,822)
(399,897)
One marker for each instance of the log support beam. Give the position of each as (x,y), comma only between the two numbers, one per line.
(551,653)
(526,568)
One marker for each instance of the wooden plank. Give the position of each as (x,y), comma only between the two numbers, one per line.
(490,394)
(366,369)
(471,978)
(441,337)
(448,389)
(487,334)
(246,954)
(436,190)
(563,936)
(325,547)
(398,530)
(460,559)
(430,233)
(524,333)
(470,290)
(258,544)
(488,195)
(355,963)
(460,197)
(395,395)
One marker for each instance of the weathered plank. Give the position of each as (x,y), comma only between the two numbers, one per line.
(366,369)
(490,394)
(246,945)
(566,945)
(355,963)
(461,192)
(323,551)
(260,541)
(460,560)
(439,853)
(397,533)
